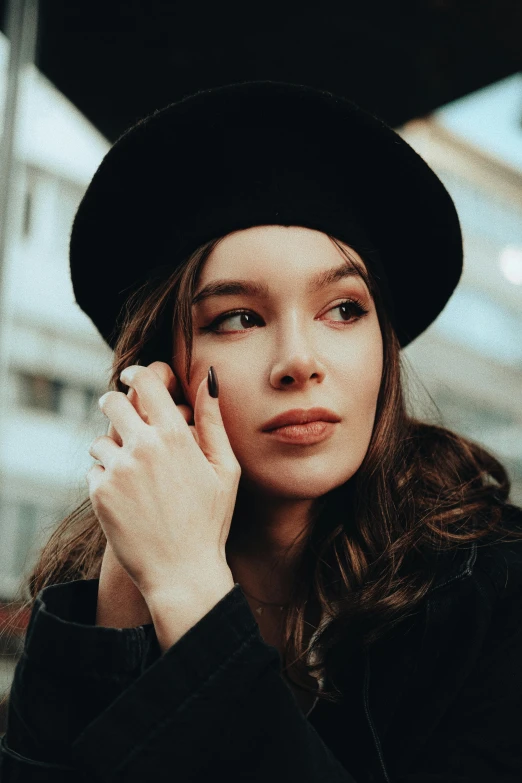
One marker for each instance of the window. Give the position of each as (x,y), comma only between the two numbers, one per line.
(31,182)
(71,400)
(38,391)
(27,519)
(28,211)
(91,397)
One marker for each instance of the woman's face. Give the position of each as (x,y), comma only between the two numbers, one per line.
(295,346)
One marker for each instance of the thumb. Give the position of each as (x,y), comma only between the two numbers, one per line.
(212,436)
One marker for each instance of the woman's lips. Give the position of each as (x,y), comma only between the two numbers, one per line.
(304,434)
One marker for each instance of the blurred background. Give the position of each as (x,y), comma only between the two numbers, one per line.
(75,75)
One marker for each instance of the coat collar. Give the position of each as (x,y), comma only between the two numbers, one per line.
(455,564)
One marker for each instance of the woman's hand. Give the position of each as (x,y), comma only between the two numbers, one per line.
(120,603)
(165,496)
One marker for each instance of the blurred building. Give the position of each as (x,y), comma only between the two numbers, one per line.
(57,363)
(470,360)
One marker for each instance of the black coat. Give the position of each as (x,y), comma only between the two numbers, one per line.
(441,700)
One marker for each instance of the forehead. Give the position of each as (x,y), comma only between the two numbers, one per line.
(276,252)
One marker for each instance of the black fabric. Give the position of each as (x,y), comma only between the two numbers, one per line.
(438,700)
(264,153)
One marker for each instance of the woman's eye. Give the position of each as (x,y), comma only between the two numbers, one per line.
(242,318)
(352,309)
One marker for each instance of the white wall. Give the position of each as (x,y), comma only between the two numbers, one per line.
(48,342)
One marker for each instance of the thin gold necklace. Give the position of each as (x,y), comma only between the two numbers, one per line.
(259,609)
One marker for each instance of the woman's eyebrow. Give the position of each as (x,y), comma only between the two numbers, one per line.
(250,288)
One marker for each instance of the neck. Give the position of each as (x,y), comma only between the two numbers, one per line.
(265,541)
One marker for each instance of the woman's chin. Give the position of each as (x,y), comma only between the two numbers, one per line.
(293,486)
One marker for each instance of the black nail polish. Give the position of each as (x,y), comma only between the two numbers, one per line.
(213,386)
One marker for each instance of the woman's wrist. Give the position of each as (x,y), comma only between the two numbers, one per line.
(119,608)
(174,612)
(120,603)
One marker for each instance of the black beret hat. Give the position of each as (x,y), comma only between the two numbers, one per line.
(264,153)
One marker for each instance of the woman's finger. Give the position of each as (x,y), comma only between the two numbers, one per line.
(133,398)
(187,413)
(122,414)
(185,410)
(154,396)
(170,380)
(94,476)
(111,433)
(104,449)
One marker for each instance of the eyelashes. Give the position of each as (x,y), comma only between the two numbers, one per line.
(355,305)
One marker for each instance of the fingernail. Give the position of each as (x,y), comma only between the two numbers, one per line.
(212,381)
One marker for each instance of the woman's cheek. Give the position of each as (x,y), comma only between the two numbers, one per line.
(373,362)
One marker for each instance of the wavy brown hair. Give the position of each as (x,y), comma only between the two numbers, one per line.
(362,559)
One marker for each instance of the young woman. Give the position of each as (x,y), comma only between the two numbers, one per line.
(279,574)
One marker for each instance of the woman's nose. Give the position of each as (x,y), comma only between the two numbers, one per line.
(297,365)
(297,376)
